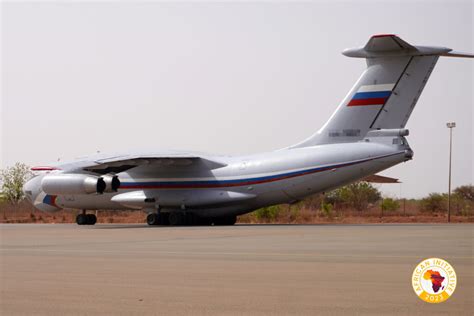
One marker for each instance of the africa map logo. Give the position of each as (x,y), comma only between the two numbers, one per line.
(434,280)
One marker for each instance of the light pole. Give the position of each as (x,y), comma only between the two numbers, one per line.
(450,125)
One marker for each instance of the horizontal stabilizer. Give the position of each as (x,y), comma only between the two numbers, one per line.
(386,45)
(458,54)
(375,178)
(386,42)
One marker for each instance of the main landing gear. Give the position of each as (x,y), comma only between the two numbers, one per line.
(186,219)
(153,219)
(86,219)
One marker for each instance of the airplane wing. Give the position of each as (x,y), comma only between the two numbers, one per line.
(120,163)
(375,178)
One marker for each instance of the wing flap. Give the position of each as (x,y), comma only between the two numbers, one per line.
(122,163)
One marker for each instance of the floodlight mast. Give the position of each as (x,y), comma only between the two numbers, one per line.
(450,125)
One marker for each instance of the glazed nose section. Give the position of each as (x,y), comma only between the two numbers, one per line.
(35,195)
(28,189)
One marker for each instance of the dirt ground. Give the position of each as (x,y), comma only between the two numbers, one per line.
(25,213)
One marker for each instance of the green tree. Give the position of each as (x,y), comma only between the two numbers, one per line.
(433,202)
(462,200)
(357,195)
(465,192)
(13,179)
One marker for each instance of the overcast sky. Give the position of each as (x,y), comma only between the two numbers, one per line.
(225,78)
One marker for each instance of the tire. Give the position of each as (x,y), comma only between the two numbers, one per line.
(153,219)
(205,221)
(164,219)
(176,218)
(190,219)
(230,220)
(91,219)
(225,221)
(81,219)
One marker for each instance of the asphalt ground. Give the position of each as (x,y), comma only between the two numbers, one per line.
(236,270)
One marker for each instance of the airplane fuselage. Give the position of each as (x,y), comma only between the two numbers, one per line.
(244,184)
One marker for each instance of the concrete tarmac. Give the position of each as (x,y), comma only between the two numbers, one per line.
(238,270)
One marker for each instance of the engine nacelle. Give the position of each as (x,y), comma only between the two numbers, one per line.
(112,183)
(61,184)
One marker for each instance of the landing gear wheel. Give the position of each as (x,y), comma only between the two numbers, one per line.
(153,219)
(190,219)
(205,221)
(228,220)
(164,218)
(176,218)
(81,219)
(91,219)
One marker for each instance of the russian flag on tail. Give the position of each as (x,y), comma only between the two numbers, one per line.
(376,94)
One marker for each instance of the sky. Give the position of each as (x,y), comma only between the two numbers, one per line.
(220,77)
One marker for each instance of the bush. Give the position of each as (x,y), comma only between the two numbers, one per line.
(326,209)
(294,213)
(435,202)
(268,212)
(312,202)
(389,204)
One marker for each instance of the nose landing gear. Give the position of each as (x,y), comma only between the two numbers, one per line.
(86,219)
(153,219)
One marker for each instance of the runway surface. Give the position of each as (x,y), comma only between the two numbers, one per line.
(238,270)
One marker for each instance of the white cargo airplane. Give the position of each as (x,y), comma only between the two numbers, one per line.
(365,135)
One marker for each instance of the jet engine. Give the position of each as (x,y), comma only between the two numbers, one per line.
(112,183)
(61,184)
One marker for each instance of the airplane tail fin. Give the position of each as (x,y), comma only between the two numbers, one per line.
(387,91)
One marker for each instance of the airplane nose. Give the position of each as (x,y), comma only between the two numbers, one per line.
(32,189)
(28,190)
(35,195)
